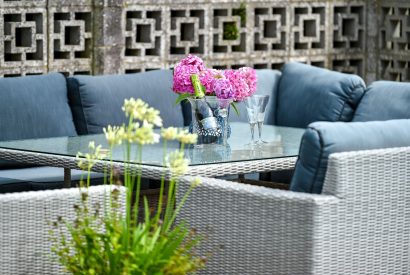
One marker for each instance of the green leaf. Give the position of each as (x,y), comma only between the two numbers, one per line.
(235,108)
(181,98)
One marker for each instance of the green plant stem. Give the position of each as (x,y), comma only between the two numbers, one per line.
(129,185)
(88,175)
(171,198)
(139,175)
(110,181)
(161,192)
(178,208)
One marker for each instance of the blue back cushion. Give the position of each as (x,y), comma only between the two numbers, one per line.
(384,100)
(324,138)
(35,107)
(307,94)
(267,84)
(96,101)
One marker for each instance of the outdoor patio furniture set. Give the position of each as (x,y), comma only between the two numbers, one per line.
(347,210)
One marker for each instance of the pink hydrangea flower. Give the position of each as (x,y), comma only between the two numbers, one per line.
(250,77)
(223,88)
(182,73)
(239,84)
(232,84)
(208,78)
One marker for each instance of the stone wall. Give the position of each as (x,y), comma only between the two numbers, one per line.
(367,37)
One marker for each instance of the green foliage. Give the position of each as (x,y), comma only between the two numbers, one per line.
(107,245)
(103,239)
(230,31)
(182,97)
(235,108)
(241,12)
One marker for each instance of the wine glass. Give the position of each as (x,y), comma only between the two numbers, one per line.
(263,100)
(255,108)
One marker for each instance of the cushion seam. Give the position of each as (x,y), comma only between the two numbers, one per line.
(359,102)
(82,105)
(349,97)
(69,105)
(319,159)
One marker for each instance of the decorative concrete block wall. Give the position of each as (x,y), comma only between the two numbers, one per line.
(367,37)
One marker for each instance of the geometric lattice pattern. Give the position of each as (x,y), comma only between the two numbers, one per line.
(143,32)
(395,32)
(23,41)
(187,32)
(348,27)
(271,29)
(394,62)
(351,66)
(224,18)
(70,39)
(395,70)
(94,36)
(309,27)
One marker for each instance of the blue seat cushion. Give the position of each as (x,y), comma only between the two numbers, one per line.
(8,164)
(96,101)
(34,107)
(41,178)
(44,178)
(324,138)
(8,185)
(45,174)
(308,94)
(384,100)
(267,84)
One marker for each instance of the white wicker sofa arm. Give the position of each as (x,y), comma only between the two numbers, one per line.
(254,230)
(370,231)
(359,225)
(25,246)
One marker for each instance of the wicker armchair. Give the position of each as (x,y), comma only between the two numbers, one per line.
(25,246)
(360,224)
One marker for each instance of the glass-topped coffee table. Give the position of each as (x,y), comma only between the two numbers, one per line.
(279,153)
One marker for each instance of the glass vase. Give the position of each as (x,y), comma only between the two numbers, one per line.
(212,125)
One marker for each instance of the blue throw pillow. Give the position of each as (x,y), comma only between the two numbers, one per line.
(324,138)
(384,100)
(307,94)
(96,101)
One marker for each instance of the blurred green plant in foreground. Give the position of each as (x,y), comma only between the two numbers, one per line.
(103,239)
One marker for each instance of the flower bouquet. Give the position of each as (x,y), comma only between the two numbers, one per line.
(211,92)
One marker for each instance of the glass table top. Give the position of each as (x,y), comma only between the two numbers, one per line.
(282,142)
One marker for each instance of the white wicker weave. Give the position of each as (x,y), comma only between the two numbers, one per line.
(153,172)
(25,246)
(359,225)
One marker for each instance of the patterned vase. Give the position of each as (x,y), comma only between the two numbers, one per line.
(217,133)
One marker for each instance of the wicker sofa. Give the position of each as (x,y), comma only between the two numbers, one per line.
(358,225)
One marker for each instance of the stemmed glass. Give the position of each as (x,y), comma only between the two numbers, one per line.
(255,107)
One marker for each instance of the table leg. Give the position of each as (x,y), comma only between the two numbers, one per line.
(67,177)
